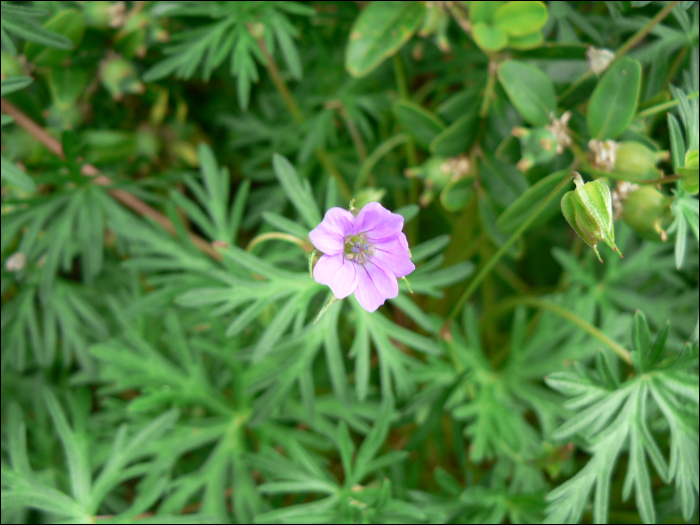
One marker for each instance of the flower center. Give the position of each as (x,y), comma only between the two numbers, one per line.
(357,248)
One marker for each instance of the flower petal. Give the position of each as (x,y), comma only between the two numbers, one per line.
(329,236)
(338,273)
(375,285)
(378,223)
(393,255)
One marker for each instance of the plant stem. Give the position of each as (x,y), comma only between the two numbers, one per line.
(411,156)
(488,91)
(639,35)
(503,249)
(289,101)
(564,313)
(282,237)
(663,107)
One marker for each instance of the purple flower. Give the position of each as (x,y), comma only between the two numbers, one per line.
(363,254)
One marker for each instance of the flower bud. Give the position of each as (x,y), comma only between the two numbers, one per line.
(588,209)
(635,162)
(648,212)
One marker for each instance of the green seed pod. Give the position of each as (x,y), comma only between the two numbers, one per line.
(588,209)
(690,172)
(648,212)
(635,162)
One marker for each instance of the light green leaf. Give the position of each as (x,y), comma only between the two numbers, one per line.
(520,18)
(488,37)
(530,91)
(10,85)
(12,174)
(379,32)
(76,455)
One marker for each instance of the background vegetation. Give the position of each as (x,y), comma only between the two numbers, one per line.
(162,166)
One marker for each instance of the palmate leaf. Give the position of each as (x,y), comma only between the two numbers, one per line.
(232,35)
(358,499)
(221,221)
(18,20)
(23,488)
(69,315)
(614,418)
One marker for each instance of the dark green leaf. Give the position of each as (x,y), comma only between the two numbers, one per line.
(530,91)
(614,101)
(379,32)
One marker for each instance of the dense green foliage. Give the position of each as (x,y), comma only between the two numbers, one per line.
(163,360)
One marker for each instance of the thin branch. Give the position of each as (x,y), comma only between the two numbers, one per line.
(120,195)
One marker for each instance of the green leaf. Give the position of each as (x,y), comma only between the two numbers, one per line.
(677,141)
(614,100)
(13,84)
(17,22)
(488,37)
(76,455)
(71,24)
(379,32)
(456,138)
(12,174)
(526,204)
(346,447)
(457,194)
(520,18)
(641,339)
(530,91)
(483,11)
(529,41)
(298,191)
(67,84)
(420,123)
(43,498)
